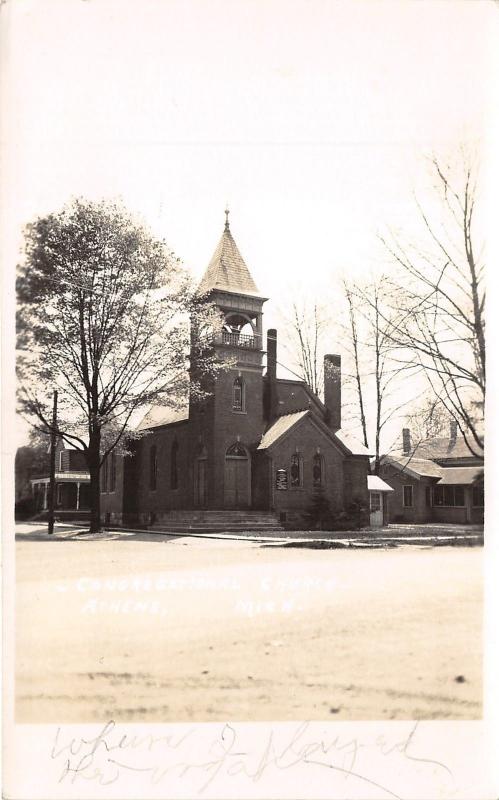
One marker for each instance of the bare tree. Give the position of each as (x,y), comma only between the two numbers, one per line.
(104,317)
(353,334)
(441,297)
(308,324)
(427,420)
(378,373)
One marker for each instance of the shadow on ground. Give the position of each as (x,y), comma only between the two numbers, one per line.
(67,534)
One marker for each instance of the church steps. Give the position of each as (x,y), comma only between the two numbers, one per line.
(216,521)
(213,528)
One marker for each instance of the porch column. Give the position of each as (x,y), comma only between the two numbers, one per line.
(45,496)
(78,496)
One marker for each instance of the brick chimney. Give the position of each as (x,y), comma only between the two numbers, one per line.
(272,373)
(332,390)
(453,431)
(406,441)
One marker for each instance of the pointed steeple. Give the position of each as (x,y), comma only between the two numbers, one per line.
(227,271)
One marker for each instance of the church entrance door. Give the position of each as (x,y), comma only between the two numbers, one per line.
(201,482)
(237,478)
(200,479)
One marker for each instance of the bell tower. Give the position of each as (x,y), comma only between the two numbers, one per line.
(233,422)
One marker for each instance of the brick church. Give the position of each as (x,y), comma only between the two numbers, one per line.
(255,443)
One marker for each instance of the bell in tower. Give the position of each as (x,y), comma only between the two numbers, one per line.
(229,284)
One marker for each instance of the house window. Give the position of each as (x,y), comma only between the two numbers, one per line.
(296,471)
(238,393)
(61,466)
(375,501)
(458,498)
(153,468)
(317,470)
(112,472)
(478,496)
(173,466)
(448,496)
(408,496)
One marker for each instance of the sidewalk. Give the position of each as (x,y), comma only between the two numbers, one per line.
(388,536)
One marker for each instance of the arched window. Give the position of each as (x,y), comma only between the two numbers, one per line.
(236,450)
(238,395)
(317,470)
(173,465)
(153,468)
(296,471)
(112,473)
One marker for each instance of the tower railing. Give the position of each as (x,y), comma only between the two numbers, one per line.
(239,340)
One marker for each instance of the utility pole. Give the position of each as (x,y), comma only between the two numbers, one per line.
(53,442)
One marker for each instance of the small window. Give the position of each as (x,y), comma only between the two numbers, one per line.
(317,470)
(296,477)
(375,501)
(153,468)
(478,496)
(174,466)
(238,395)
(408,496)
(61,463)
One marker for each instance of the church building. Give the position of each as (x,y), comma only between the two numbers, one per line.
(255,443)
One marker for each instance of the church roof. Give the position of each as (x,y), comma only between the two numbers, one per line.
(352,443)
(286,422)
(161,415)
(227,271)
(281,426)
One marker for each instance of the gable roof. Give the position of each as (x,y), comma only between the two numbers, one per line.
(461,475)
(161,415)
(286,422)
(439,448)
(375,484)
(417,467)
(352,444)
(280,427)
(227,271)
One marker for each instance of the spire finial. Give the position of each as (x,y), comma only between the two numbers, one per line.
(227,212)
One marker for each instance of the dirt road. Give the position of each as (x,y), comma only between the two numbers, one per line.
(175,629)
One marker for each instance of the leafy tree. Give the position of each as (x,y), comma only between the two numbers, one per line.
(107,315)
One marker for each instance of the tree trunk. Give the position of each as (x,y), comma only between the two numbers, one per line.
(93,460)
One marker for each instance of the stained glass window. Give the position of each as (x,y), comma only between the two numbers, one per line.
(238,395)
(296,470)
(317,470)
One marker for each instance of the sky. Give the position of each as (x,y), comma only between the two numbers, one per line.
(310,119)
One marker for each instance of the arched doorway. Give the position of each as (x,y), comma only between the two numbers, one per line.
(237,477)
(200,477)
